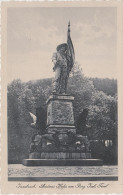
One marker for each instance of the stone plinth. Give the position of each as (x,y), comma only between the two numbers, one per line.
(62,162)
(60,116)
(60,155)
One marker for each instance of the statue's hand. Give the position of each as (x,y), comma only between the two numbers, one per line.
(56,65)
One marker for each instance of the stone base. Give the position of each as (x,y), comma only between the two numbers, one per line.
(62,162)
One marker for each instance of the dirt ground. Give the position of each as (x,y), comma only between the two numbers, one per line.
(18,170)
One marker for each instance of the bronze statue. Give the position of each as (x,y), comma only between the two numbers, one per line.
(63,61)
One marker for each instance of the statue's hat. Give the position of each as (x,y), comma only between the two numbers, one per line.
(61,45)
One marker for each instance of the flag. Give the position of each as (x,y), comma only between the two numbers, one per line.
(70,50)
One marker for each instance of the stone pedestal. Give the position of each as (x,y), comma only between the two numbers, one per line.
(60,116)
(61,146)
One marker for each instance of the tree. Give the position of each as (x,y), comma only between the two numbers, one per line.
(108,86)
(26,97)
(102,116)
(82,89)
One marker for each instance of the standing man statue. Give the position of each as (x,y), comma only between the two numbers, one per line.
(63,61)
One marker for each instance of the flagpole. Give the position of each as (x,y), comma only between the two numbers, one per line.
(69,27)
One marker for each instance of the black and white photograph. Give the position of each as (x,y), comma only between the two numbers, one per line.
(62,97)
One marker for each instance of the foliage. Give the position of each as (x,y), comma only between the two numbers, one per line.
(108,86)
(22,99)
(26,97)
(102,117)
(82,89)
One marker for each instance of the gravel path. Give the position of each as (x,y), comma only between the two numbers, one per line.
(18,170)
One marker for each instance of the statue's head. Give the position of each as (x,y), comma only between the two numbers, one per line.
(62,47)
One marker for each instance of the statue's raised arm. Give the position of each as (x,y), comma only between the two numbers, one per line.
(63,61)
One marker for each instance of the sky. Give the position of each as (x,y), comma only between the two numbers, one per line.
(33,34)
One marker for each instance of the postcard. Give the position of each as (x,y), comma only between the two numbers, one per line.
(62,97)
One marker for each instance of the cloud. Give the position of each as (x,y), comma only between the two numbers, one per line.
(90,32)
(26,38)
(34,33)
(30,67)
(96,46)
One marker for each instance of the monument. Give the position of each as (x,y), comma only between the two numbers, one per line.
(60,145)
